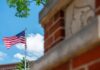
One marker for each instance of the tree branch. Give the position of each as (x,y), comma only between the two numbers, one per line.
(41,2)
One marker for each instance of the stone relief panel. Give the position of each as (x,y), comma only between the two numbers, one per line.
(78,15)
(81,17)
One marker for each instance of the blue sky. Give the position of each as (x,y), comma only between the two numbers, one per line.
(11,25)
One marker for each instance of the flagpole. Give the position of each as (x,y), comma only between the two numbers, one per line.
(25,56)
(25,51)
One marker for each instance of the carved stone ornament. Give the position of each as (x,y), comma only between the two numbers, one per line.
(82,16)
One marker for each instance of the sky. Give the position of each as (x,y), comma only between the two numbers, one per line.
(11,25)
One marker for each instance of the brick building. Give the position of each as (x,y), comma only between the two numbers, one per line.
(12,66)
(72,35)
(8,66)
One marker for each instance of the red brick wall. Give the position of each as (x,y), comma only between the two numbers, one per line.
(8,67)
(86,61)
(54,30)
(98,7)
(95,66)
(64,66)
(89,60)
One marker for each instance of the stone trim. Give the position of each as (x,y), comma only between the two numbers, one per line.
(52,7)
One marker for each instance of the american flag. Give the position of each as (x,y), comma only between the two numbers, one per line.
(19,38)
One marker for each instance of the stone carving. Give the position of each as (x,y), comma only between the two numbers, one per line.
(82,16)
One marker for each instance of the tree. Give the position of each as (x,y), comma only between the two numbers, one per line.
(21,65)
(22,6)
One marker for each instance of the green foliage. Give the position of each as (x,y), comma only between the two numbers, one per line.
(20,66)
(38,2)
(22,6)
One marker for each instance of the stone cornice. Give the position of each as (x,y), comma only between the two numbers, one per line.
(76,45)
(52,7)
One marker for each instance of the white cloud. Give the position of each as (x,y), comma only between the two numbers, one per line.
(35,46)
(20,56)
(2,55)
(35,43)
(20,46)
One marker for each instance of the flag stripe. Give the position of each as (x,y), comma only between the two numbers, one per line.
(19,38)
